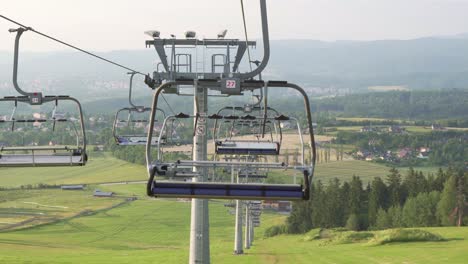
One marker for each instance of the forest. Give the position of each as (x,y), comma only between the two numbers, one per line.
(413,200)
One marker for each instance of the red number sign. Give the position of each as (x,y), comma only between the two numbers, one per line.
(230,84)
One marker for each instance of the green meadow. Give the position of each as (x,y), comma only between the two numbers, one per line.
(100,168)
(57,226)
(157,231)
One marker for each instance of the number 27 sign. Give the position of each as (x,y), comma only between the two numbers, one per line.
(230,84)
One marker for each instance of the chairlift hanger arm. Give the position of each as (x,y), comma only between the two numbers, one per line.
(132,74)
(266,45)
(19,32)
(152,116)
(265,108)
(309,123)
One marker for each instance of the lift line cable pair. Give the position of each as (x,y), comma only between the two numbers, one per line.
(81,50)
(245,32)
(70,45)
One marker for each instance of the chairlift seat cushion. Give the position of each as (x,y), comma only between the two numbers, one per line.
(133,140)
(38,160)
(227,191)
(253,176)
(247,148)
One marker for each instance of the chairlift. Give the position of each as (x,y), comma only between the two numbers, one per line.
(130,123)
(222,188)
(258,143)
(39,154)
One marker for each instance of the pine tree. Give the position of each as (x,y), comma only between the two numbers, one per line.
(395,190)
(318,205)
(411,183)
(300,219)
(334,205)
(344,196)
(355,195)
(439,181)
(377,199)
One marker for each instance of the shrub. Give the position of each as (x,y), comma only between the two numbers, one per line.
(352,223)
(275,230)
(405,235)
(313,234)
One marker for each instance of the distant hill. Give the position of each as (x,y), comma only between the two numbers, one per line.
(426,63)
(421,63)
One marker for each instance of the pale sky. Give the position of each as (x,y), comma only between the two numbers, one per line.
(103,25)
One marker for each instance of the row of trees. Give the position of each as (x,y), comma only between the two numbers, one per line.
(410,201)
(426,105)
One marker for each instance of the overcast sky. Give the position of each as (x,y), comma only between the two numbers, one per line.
(119,24)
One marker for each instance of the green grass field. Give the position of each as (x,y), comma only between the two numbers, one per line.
(361,119)
(102,168)
(26,208)
(157,231)
(345,169)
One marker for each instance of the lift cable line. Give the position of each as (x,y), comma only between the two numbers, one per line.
(246,35)
(168,105)
(71,46)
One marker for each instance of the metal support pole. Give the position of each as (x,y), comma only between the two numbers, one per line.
(247,226)
(199,225)
(238,229)
(251,231)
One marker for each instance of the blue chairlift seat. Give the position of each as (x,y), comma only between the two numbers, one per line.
(253,176)
(227,190)
(239,147)
(131,140)
(41,157)
(240,191)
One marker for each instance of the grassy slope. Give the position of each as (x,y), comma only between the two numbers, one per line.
(156,231)
(146,231)
(453,251)
(98,169)
(45,206)
(344,170)
(153,231)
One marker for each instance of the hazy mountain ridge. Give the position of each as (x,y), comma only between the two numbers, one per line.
(428,63)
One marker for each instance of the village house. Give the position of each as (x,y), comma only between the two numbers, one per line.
(396,129)
(404,153)
(437,127)
(423,153)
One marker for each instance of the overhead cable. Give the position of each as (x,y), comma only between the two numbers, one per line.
(71,46)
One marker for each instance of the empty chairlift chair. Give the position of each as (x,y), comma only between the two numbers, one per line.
(172,186)
(131,124)
(39,151)
(254,143)
(260,144)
